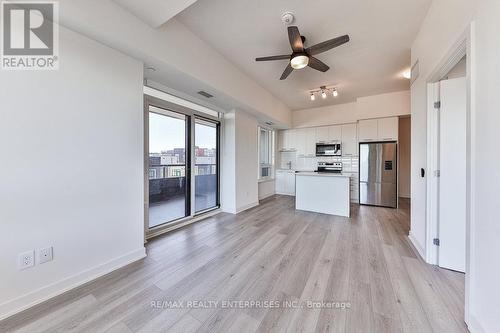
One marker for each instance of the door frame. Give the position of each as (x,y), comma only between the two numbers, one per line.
(464,46)
(191,113)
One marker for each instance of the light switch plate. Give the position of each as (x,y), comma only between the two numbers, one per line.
(45,255)
(26,259)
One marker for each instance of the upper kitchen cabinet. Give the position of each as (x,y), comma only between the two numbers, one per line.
(300,139)
(328,133)
(368,130)
(279,138)
(349,142)
(383,129)
(285,144)
(310,142)
(335,133)
(322,134)
(388,129)
(292,139)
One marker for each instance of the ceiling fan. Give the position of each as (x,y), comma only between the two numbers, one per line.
(301,56)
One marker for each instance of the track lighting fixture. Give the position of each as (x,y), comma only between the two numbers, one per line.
(323,91)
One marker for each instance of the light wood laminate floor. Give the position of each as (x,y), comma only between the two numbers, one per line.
(271,252)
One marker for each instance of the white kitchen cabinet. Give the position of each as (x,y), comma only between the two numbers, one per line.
(280,181)
(323,134)
(285,182)
(290,183)
(368,130)
(280,140)
(300,137)
(293,139)
(335,133)
(310,142)
(349,140)
(286,140)
(388,129)
(382,129)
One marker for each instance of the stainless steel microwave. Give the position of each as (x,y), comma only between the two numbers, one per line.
(328,149)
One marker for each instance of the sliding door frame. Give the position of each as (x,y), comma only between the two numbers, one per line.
(217,124)
(190,164)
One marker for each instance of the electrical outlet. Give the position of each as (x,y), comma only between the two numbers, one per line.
(26,259)
(45,255)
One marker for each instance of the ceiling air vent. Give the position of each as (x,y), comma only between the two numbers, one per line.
(269,123)
(205,94)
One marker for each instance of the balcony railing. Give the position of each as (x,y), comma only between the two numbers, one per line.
(179,170)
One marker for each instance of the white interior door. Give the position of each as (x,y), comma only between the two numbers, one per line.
(452,180)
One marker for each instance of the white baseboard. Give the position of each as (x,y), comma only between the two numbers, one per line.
(266,196)
(43,294)
(288,194)
(245,207)
(417,245)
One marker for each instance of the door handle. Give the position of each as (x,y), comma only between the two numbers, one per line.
(422,172)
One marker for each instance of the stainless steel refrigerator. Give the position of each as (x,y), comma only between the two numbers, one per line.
(378,175)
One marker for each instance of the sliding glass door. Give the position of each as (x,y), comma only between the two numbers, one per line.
(206,165)
(168,166)
(182,163)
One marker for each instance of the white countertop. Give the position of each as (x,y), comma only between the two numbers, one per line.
(322,174)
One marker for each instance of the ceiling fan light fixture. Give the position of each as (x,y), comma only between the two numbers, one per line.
(323,94)
(335,93)
(313,97)
(407,74)
(299,61)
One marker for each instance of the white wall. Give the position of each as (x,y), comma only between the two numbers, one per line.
(377,106)
(228,161)
(71,171)
(247,191)
(240,162)
(404,144)
(446,21)
(484,284)
(266,189)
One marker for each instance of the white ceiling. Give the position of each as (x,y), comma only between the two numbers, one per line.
(371,63)
(154,12)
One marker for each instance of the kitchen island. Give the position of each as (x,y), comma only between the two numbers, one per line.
(326,193)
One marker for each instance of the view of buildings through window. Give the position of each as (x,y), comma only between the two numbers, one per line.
(168,161)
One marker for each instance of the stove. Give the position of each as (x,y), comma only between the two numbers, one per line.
(333,167)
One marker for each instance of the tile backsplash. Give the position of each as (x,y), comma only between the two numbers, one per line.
(349,163)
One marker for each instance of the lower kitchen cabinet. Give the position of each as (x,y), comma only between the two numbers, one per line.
(285,182)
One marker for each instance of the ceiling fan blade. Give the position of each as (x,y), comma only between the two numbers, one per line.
(327,45)
(277,57)
(295,39)
(286,72)
(317,64)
